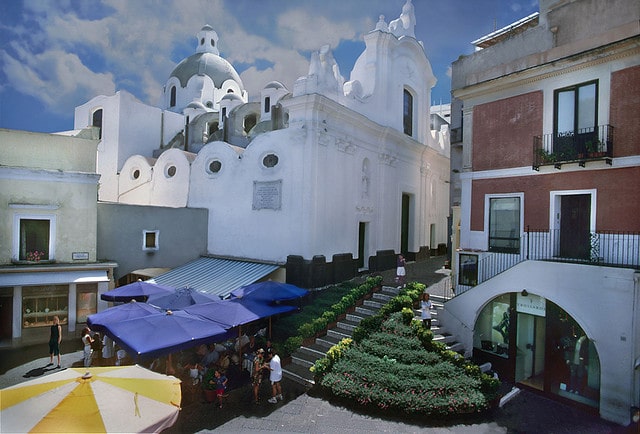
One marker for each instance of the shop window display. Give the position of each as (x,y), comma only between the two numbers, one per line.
(492,327)
(41,303)
(576,373)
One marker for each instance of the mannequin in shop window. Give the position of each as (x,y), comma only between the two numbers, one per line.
(578,365)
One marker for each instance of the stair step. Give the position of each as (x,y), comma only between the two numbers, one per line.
(299,374)
(327,341)
(374,304)
(383,298)
(446,339)
(438,298)
(338,334)
(349,323)
(311,352)
(365,311)
(296,359)
(456,347)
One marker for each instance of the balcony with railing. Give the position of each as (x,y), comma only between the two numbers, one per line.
(588,144)
(602,248)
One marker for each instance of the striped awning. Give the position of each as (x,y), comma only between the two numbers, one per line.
(215,276)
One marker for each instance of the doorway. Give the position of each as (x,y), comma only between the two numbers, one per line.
(404,224)
(362,246)
(530,350)
(6,317)
(575,235)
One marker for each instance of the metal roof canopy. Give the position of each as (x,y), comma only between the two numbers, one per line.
(215,276)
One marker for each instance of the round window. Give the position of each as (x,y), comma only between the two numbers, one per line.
(135,174)
(171,171)
(270,160)
(214,166)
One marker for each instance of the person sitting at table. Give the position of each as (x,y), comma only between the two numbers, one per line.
(223,362)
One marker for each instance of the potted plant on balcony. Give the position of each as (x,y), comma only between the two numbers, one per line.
(544,156)
(595,149)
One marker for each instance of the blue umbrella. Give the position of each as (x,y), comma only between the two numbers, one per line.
(181,298)
(139,291)
(236,312)
(269,292)
(120,313)
(164,333)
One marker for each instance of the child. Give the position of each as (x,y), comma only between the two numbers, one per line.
(221,386)
(425,308)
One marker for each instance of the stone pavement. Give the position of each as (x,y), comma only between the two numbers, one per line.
(303,411)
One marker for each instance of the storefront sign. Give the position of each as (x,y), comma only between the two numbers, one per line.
(531,304)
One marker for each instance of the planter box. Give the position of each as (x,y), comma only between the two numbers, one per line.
(209,395)
(308,341)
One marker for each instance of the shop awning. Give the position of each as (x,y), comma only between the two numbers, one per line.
(215,276)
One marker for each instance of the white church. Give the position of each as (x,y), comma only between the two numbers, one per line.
(331,167)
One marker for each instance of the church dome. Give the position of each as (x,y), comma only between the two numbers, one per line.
(206,61)
(212,65)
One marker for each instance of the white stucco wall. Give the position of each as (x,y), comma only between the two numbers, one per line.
(129,127)
(605,303)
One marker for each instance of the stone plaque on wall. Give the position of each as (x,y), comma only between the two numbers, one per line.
(267,194)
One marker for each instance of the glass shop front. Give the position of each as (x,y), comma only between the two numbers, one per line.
(533,342)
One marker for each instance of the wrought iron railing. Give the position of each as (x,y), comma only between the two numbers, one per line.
(602,247)
(588,144)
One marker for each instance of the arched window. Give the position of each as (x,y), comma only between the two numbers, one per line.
(213,127)
(172,103)
(96,121)
(407,115)
(249,122)
(267,104)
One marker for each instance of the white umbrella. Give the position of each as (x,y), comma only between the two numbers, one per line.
(91,400)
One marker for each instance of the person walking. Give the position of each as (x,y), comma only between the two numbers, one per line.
(425,307)
(401,272)
(221,386)
(108,350)
(55,338)
(87,340)
(275,375)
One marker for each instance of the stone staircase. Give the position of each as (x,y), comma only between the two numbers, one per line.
(305,356)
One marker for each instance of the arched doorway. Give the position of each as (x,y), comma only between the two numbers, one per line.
(531,341)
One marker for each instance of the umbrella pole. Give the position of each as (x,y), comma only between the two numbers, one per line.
(269,328)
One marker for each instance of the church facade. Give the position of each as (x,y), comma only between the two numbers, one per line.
(330,167)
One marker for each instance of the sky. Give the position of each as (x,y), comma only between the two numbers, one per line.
(58,54)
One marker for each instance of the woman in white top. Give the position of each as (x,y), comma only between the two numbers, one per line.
(425,306)
(87,340)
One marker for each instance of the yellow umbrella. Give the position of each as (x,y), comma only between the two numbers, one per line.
(92,400)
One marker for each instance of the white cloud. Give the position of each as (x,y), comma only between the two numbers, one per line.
(57,78)
(305,31)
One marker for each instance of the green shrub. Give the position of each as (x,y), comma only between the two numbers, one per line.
(319,325)
(307,330)
(389,369)
(407,315)
(339,308)
(292,344)
(335,353)
(330,316)
(366,326)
